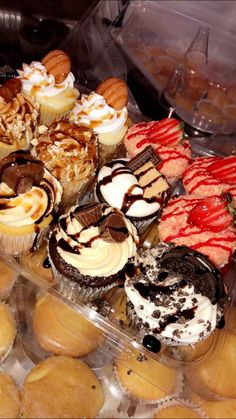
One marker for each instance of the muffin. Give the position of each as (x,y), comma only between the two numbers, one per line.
(168,140)
(175,410)
(201,223)
(134,186)
(177,297)
(105,112)
(61,330)
(51,84)
(208,176)
(61,387)
(10,406)
(28,196)
(18,118)
(89,250)
(38,262)
(7,280)
(143,378)
(224,409)
(69,152)
(7,331)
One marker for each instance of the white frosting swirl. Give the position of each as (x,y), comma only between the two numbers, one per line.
(89,252)
(38,82)
(169,305)
(93,111)
(29,207)
(119,183)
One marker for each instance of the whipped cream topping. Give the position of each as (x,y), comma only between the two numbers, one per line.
(168,306)
(17,210)
(37,82)
(119,187)
(85,249)
(93,111)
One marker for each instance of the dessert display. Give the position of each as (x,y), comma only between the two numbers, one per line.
(211,176)
(176,297)
(18,118)
(61,330)
(61,387)
(69,152)
(10,397)
(106,113)
(204,224)
(168,140)
(7,331)
(89,250)
(51,84)
(134,186)
(28,196)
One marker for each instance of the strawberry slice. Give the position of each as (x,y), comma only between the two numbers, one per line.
(214,213)
(224,169)
(168,131)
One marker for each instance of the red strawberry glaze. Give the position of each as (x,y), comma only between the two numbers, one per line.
(175,155)
(174,227)
(203,176)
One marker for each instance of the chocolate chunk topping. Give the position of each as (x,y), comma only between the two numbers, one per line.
(113,228)
(89,214)
(10,89)
(20,171)
(148,154)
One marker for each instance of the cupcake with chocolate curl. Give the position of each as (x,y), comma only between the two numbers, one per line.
(89,250)
(28,195)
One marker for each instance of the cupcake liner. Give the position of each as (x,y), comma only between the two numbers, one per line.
(4,294)
(10,345)
(48,116)
(171,402)
(107,153)
(75,292)
(71,192)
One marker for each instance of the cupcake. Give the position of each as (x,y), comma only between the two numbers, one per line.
(61,330)
(28,195)
(105,112)
(177,410)
(18,118)
(224,409)
(7,280)
(61,387)
(208,176)
(69,152)
(10,406)
(176,298)
(134,186)
(7,331)
(168,140)
(201,223)
(143,378)
(51,84)
(89,250)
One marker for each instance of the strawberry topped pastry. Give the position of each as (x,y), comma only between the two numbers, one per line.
(205,224)
(211,176)
(168,140)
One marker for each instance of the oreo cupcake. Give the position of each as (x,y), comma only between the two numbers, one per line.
(89,250)
(177,297)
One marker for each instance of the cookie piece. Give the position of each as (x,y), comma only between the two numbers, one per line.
(58,64)
(115,91)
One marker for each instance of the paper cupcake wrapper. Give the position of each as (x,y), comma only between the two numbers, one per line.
(107,153)
(15,245)
(75,292)
(5,354)
(48,116)
(171,402)
(5,294)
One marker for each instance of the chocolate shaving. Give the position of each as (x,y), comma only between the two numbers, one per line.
(89,214)
(113,228)
(10,89)
(146,155)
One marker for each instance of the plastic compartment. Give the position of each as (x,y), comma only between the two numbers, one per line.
(155,38)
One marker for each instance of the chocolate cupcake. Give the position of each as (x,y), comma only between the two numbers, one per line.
(178,296)
(89,250)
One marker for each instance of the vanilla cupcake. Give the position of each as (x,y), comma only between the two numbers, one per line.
(61,387)
(89,250)
(19,116)
(28,196)
(61,330)
(105,112)
(7,331)
(69,152)
(51,84)
(10,405)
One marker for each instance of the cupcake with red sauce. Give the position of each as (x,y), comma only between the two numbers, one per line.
(168,140)
(211,176)
(205,224)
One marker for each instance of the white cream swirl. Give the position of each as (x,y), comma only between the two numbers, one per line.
(32,206)
(88,252)
(37,82)
(93,111)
